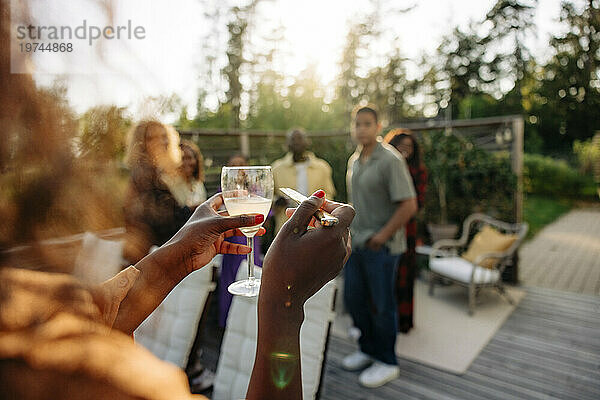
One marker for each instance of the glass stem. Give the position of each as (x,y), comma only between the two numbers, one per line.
(251,258)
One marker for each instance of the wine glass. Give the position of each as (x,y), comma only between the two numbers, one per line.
(247,190)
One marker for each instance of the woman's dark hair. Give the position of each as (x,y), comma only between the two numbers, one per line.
(237,155)
(395,136)
(369,108)
(199,171)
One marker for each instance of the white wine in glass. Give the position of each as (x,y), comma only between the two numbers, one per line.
(247,190)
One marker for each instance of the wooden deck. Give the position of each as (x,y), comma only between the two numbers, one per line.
(549,348)
(565,255)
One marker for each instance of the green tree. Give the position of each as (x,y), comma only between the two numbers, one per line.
(235,57)
(458,74)
(570,90)
(350,85)
(220,98)
(103,133)
(210,76)
(388,86)
(301,104)
(267,107)
(512,22)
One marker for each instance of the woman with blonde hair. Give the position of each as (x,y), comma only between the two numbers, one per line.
(152,212)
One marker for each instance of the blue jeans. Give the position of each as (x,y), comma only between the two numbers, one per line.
(369,297)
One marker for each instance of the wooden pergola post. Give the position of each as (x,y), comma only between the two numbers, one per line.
(518,128)
(245,144)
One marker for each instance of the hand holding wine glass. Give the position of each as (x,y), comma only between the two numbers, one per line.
(309,250)
(192,247)
(247,190)
(203,236)
(299,262)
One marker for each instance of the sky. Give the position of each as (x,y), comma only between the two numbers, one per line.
(167,60)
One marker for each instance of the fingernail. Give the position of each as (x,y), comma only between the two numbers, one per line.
(259,219)
(319,193)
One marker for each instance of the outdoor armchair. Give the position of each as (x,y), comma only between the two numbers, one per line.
(447,262)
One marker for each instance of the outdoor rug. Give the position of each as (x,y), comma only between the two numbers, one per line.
(445,336)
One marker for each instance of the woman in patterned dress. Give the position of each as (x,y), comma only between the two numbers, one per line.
(405,142)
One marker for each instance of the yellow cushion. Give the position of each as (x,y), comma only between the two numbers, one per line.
(488,240)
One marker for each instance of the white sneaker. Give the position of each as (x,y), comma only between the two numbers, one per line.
(378,374)
(355,361)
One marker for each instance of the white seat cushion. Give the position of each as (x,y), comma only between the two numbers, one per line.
(239,344)
(98,259)
(169,331)
(460,269)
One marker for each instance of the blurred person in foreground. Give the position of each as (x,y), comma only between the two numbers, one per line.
(61,339)
(406,143)
(155,206)
(301,170)
(381,190)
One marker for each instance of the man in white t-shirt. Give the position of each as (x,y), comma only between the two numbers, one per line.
(301,170)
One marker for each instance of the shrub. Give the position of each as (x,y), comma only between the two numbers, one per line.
(588,154)
(336,150)
(474,180)
(548,176)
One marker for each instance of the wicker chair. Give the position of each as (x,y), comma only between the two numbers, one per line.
(445,262)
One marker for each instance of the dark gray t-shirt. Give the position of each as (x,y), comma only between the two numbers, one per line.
(375,188)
